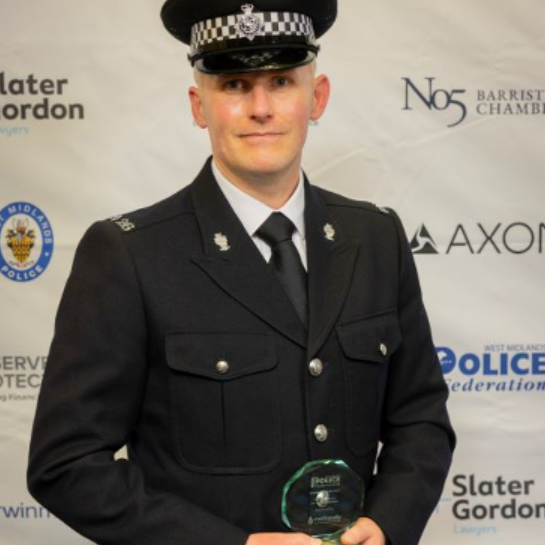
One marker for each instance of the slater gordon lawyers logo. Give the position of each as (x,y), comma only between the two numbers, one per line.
(30,98)
(514,238)
(498,367)
(484,505)
(26,242)
(457,104)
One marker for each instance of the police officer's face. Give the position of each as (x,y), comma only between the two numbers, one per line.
(258,121)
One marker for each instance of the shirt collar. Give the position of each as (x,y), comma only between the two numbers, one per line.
(252,213)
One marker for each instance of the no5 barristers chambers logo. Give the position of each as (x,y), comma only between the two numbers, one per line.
(459,103)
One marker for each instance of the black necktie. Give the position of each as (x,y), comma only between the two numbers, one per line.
(277,232)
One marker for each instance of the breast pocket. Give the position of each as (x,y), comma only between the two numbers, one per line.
(224,396)
(367,346)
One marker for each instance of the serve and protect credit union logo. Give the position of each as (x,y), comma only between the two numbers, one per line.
(26,242)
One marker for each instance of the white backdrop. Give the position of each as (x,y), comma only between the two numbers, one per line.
(438,110)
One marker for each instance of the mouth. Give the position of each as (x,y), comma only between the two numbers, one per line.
(261,135)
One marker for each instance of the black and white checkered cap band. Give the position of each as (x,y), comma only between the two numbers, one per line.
(272,24)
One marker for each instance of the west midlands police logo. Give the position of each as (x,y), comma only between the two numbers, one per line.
(26,242)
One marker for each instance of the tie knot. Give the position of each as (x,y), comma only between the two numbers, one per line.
(275,229)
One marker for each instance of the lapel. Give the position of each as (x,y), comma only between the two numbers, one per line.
(231,259)
(330,268)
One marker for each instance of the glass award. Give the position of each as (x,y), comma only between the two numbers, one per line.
(323,499)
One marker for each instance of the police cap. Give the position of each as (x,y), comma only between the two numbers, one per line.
(233,36)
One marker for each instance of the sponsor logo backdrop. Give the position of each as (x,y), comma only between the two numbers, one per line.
(437,110)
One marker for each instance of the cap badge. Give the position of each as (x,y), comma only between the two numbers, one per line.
(329,232)
(249,24)
(221,242)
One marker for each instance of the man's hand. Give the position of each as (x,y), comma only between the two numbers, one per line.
(278,538)
(365,531)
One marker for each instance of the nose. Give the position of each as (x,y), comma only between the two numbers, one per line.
(261,106)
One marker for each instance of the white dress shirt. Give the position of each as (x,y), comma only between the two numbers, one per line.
(252,213)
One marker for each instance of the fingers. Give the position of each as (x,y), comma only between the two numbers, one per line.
(365,531)
(310,540)
(282,539)
(302,539)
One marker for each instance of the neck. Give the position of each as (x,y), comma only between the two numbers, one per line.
(272,189)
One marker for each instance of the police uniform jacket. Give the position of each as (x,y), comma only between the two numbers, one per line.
(175,338)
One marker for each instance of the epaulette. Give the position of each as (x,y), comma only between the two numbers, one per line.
(123,222)
(382,209)
(159,212)
(334,199)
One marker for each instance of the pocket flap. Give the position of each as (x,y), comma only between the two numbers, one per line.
(374,339)
(221,356)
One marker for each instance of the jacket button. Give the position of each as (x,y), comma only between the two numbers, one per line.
(222,367)
(316,367)
(320,433)
(383,349)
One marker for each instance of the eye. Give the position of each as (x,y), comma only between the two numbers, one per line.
(282,81)
(234,85)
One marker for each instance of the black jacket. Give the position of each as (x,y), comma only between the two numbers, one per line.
(153,302)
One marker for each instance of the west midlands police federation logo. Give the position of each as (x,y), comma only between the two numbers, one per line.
(26,242)
(447,357)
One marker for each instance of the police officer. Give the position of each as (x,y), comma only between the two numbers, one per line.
(244,326)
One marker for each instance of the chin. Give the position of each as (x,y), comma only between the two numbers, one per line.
(267,169)
(268,163)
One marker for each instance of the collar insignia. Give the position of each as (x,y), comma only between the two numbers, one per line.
(249,24)
(221,242)
(329,232)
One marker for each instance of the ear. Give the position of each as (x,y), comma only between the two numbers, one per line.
(322,89)
(197,106)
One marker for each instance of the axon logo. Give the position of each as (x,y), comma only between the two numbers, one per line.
(423,243)
(513,238)
(434,98)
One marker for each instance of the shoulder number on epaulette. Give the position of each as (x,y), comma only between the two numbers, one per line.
(123,223)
